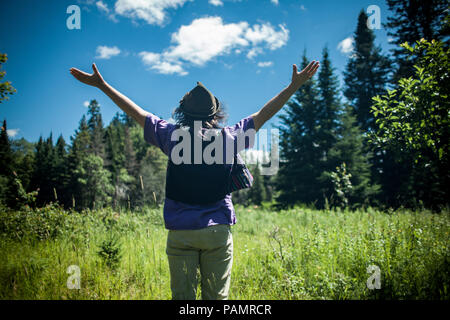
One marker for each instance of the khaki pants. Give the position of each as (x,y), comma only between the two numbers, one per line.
(211,250)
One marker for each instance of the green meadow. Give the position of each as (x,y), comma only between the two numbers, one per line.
(299,253)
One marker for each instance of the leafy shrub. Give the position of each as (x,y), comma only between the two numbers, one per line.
(110,251)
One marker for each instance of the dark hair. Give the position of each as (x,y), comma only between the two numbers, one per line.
(213,122)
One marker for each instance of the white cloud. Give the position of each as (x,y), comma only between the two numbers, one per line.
(275,2)
(151,11)
(346,45)
(207,38)
(12,132)
(102,6)
(150,57)
(86,104)
(265,64)
(204,39)
(253,52)
(302,7)
(154,61)
(266,33)
(105,52)
(216,2)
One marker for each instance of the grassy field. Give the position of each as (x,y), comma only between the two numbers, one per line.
(292,254)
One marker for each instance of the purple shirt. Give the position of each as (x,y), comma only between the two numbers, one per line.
(179,215)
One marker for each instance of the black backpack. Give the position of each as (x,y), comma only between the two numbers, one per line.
(197,183)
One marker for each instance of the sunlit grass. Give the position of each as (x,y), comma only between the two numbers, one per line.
(292,254)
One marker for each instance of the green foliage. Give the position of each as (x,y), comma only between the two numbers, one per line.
(110,250)
(329,105)
(102,166)
(317,136)
(40,223)
(415,115)
(297,177)
(17,197)
(6,156)
(342,185)
(257,193)
(5,87)
(94,179)
(96,130)
(113,165)
(153,172)
(81,141)
(290,254)
(366,73)
(350,150)
(411,21)
(12,193)
(413,122)
(23,160)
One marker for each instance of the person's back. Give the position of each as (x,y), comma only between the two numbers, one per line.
(198,211)
(197,180)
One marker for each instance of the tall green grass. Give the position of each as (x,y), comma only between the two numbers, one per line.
(291,254)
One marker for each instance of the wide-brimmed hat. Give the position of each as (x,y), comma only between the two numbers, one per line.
(199,103)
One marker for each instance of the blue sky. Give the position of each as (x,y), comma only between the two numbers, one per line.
(154,52)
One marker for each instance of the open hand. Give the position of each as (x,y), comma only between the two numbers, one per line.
(95,79)
(299,78)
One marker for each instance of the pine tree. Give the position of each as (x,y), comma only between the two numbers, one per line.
(329,104)
(95,124)
(153,171)
(61,177)
(23,152)
(80,148)
(127,120)
(351,151)
(38,172)
(299,144)
(130,155)
(257,194)
(269,183)
(366,73)
(81,141)
(6,156)
(327,123)
(116,159)
(413,20)
(94,179)
(130,173)
(43,177)
(6,169)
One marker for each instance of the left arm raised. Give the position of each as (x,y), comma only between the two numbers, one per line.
(123,102)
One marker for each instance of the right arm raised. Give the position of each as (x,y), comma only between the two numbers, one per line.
(96,80)
(277,102)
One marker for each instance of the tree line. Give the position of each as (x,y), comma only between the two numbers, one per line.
(110,165)
(385,144)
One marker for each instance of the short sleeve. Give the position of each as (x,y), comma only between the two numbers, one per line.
(157,132)
(243,133)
